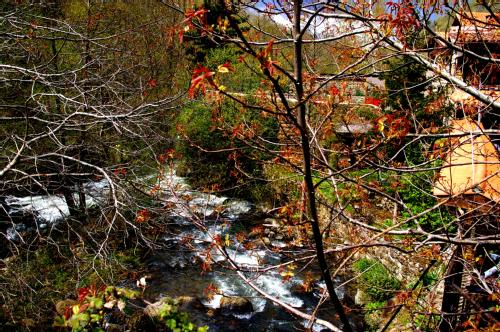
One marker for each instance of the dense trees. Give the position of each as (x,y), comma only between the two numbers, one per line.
(87,90)
(85,93)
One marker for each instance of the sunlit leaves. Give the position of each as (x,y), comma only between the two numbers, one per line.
(225,68)
(142,216)
(403,19)
(265,58)
(201,77)
(288,273)
(210,291)
(391,126)
(93,305)
(192,17)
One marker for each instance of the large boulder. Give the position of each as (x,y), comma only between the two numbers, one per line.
(236,304)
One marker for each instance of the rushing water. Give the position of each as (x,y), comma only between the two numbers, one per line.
(50,209)
(175,270)
(182,266)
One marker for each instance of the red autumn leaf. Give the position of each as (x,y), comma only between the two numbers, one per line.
(210,291)
(334,91)
(402,18)
(265,54)
(82,293)
(83,308)
(152,83)
(68,312)
(120,171)
(237,130)
(269,48)
(269,65)
(191,14)
(181,36)
(218,240)
(373,101)
(142,216)
(201,75)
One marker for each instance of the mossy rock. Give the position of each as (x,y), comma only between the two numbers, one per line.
(188,303)
(236,304)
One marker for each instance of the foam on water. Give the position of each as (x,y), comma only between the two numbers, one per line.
(53,208)
(315,327)
(231,285)
(246,258)
(274,285)
(48,208)
(233,208)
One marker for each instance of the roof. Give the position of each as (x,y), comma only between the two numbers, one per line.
(468,102)
(480,19)
(471,167)
(474,27)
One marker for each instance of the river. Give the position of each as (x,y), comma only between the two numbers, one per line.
(175,270)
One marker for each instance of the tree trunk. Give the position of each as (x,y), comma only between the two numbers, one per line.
(311,212)
(451,298)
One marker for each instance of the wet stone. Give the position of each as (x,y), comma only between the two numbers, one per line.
(236,304)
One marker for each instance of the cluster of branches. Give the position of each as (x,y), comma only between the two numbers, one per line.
(85,91)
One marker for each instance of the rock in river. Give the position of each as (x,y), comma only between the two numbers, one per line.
(236,304)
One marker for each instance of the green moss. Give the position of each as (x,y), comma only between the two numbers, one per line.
(415,190)
(376,280)
(284,182)
(129,257)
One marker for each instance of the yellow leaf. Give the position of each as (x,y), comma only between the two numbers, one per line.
(223,69)
(381,126)
(76,309)
(287,274)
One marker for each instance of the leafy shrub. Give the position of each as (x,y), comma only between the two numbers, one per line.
(284,181)
(92,307)
(203,169)
(95,306)
(432,277)
(373,315)
(376,280)
(175,320)
(231,166)
(367,112)
(243,79)
(415,191)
